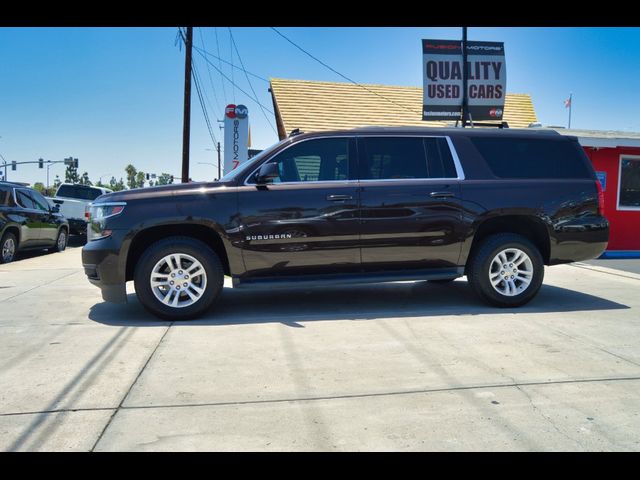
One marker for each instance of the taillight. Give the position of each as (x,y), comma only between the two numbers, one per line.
(600,198)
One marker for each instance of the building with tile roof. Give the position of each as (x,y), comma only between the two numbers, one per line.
(316,106)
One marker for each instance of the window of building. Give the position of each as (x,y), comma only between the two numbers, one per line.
(629,191)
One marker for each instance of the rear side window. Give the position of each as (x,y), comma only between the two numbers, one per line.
(388,158)
(533,158)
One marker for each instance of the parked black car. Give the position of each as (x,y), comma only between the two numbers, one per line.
(364,205)
(28,222)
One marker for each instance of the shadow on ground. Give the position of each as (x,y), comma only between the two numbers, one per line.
(74,242)
(356,302)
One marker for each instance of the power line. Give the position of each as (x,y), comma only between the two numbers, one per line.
(196,81)
(249,81)
(338,73)
(232,79)
(209,54)
(236,86)
(215,29)
(215,95)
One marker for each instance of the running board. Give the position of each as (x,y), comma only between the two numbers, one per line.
(306,281)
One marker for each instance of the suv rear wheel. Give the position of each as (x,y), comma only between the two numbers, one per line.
(8,247)
(506,270)
(178,278)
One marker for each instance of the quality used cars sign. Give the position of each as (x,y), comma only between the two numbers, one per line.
(486,79)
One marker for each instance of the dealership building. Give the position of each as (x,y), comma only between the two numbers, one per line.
(316,106)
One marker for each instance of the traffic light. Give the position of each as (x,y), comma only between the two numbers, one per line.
(13,165)
(171,178)
(148,176)
(40,163)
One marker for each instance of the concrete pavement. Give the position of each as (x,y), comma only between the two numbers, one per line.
(403,366)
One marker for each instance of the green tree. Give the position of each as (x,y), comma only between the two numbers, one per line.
(71,175)
(84,179)
(39,187)
(116,185)
(140,178)
(131,172)
(164,179)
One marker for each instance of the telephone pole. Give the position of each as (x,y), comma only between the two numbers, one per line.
(186,130)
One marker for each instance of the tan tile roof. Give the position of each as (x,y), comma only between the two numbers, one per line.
(315,106)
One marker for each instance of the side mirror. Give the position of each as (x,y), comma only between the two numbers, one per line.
(55,208)
(267,172)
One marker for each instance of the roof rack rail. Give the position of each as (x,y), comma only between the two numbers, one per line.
(294,132)
(484,124)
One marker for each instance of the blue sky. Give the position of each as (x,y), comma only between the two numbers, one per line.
(113,96)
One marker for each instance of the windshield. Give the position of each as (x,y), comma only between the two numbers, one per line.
(233,174)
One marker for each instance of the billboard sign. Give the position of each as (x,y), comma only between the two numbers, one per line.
(442,73)
(236,136)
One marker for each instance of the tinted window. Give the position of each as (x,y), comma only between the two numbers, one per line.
(5,196)
(629,182)
(40,202)
(314,160)
(406,157)
(79,192)
(439,159)
(533,158)
(24,200)
(393,158)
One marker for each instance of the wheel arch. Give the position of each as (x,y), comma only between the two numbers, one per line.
(528,226)
(144,238)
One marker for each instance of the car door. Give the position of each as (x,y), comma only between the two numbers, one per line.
(411,208)
(306,221)
(49,223)
(30,219)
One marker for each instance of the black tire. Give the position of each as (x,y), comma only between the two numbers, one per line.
(61,243)
(479,267)
(6,253)
(184,245)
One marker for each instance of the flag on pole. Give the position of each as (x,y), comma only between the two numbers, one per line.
(567,102)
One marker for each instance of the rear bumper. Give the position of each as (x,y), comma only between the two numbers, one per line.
(77,226)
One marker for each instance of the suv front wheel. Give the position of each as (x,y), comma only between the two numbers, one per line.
(506,270)
(178,278)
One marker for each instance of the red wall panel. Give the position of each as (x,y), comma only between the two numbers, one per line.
(624,224)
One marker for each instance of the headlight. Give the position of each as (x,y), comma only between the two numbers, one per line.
(98,214)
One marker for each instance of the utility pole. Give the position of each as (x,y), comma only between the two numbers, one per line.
(186,130)
(219,164)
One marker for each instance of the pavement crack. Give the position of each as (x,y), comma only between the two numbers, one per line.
(124,397)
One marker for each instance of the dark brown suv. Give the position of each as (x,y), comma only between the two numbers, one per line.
(356,206)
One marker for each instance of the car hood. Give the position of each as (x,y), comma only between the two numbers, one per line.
(162,191)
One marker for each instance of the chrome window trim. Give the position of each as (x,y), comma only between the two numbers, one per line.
(454,155)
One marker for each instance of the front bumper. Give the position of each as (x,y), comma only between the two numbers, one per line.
(105,268)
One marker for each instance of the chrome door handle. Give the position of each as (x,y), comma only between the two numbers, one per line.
(337,198)
(441,194)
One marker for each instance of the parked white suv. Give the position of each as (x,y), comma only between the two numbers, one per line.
(74,200)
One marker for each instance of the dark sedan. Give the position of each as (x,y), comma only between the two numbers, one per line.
(28,222)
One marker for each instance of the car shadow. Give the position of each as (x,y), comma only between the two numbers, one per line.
(75,241)
(355,302)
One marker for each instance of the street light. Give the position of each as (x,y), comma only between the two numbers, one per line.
(208,163)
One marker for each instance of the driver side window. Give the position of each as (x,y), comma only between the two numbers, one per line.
(324,159)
